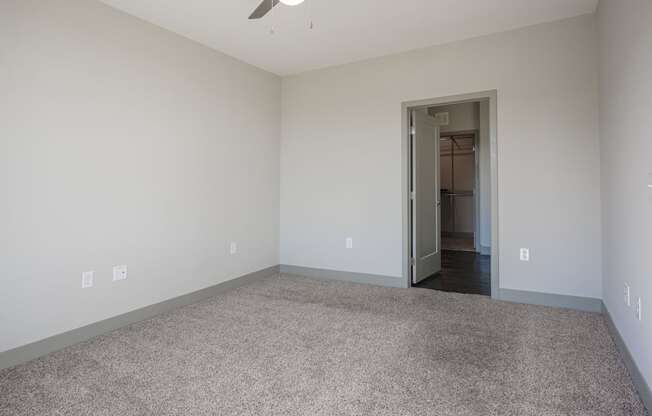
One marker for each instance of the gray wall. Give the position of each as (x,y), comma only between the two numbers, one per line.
(341,154)
(122,143)
(626,88)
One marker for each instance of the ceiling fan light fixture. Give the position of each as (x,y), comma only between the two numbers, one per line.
(266,5)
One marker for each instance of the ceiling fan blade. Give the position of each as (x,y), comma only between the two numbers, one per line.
(262,9)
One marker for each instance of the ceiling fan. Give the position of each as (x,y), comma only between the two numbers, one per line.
(267,5)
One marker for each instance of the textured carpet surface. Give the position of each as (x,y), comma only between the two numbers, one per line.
(294,346)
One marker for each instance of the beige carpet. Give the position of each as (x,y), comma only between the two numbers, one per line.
(295,346)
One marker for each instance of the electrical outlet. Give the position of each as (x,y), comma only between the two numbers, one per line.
(349,242)
(626,293)
(637,309)
(525,254)
(119,272)
(87,279)
(233,248)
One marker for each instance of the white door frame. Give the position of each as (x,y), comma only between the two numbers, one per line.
(406,108)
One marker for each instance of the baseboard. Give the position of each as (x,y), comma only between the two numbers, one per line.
(37,349)
(644,391)
(485,250)
(549,299)
(371,279)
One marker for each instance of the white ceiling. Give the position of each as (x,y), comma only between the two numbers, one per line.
(344,30)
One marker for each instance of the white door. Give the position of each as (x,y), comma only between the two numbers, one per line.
(426,203)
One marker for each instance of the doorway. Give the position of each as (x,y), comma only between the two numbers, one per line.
(450,221)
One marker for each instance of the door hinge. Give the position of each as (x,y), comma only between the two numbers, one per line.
(413,261)
(412,195)
(413,131)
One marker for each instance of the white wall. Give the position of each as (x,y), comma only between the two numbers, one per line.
(123,143)
(341,154)
(626,88)
(461,117)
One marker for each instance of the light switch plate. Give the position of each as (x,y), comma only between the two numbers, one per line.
(525,254)
(233,248)
(119,272)
(349,242)
(87,279)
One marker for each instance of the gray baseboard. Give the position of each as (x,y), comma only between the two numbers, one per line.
(371,279)
(37,349)
(644,391)
(548,299)
(485,250)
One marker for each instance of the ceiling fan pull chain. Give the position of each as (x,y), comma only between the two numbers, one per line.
(310,25)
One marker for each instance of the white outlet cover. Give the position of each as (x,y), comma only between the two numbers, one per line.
(525,254)
(349,242)
(233,248)
(637,311)
(87,279)
(626,293)
(119,272)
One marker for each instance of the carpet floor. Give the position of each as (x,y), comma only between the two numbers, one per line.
(294,346)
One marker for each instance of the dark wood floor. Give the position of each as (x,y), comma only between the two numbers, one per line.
(462,272)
